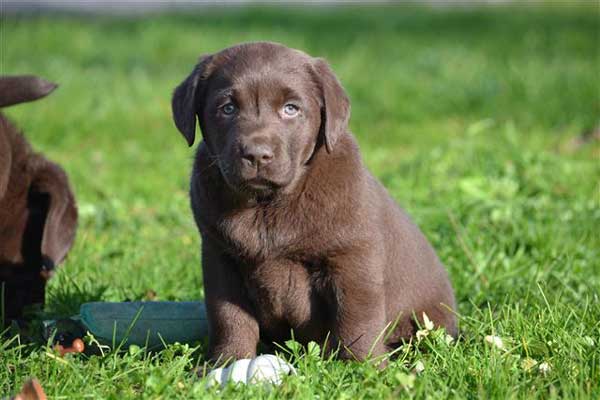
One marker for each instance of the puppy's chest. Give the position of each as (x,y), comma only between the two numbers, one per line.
(287,295)
(259,234)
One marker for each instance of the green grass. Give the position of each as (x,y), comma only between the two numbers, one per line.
(471,118)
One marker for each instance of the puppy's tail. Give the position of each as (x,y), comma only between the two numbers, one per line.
(23,88)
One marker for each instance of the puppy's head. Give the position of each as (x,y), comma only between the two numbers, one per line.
(264,109)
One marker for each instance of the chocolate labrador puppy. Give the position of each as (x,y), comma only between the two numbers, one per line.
(38,216)
(296,233)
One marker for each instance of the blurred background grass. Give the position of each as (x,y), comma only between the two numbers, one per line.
(482,122)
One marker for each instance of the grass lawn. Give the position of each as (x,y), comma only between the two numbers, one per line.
(473,119)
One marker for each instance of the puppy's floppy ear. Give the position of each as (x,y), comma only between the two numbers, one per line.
(61,219)
(335,111)
(23,88)
(187,97)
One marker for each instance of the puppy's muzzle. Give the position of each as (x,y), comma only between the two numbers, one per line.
(256,155)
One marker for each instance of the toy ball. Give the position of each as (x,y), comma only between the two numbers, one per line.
(267,368)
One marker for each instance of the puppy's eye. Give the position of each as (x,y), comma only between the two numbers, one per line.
(290,110)
(228,109)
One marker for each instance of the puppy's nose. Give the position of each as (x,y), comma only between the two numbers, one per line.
(257,154)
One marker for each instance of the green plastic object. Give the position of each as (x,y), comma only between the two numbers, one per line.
(143,323)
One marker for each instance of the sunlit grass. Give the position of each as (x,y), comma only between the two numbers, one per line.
(472,119)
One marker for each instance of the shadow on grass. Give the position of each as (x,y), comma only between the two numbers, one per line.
(68,296)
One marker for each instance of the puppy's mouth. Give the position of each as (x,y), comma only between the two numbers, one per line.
(259,185)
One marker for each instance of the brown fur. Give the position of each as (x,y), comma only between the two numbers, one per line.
(296,233)
(38,216)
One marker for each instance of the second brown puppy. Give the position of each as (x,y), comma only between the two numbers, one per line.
(38,215)
(296,233)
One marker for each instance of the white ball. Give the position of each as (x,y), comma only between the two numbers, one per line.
(215,377)
(267,368)
(238,371)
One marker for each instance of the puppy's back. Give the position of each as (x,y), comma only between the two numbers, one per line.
(23,88)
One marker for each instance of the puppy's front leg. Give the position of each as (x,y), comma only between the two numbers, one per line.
(360,310)
(233,328)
